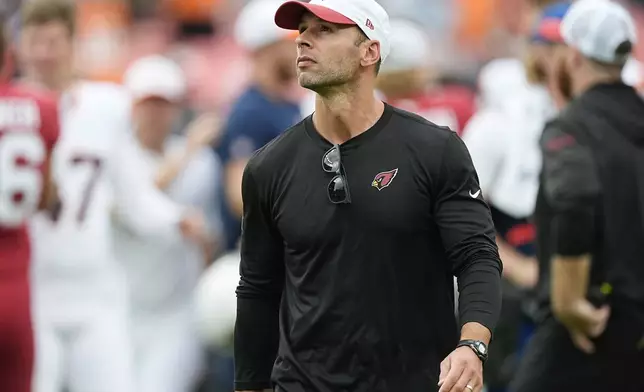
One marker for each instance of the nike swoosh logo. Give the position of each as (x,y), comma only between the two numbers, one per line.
(475,195)
(640,344)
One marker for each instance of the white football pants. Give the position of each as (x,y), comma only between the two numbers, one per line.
(82,338)
(167,353)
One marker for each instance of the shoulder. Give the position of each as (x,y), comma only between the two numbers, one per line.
(248,116)
(205,160)
(563,141)
(488,123)
(567,123)
(108,103)
(104,93)
(44,99)
(275,154)
(104,89)
(102,98)
(431,146)
(249,101)
(34,102)
(416,130)
(37,107)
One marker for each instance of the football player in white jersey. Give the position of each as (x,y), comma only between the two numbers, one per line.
(162,274)
(81,327)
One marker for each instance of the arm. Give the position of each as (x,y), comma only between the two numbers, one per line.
(49,200)
(50,129)
(485,141)
(572,189)
(233,173)
(171,167)
(521,270)
(201,132)
(259,291)
(141,206)
(242,137)
(203,179)
(467,232)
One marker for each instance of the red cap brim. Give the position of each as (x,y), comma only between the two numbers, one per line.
(289,15)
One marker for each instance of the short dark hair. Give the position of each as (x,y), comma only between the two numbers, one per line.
(622,52)
(39,12)
(362,38)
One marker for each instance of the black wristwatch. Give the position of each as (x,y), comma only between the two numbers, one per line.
(479,348)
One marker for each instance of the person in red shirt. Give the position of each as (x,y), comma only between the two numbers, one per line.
(407,81)
(28,131)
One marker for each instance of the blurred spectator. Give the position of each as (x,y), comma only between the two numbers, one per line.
(634,74)
(503,141)
(502,138)
(30,129)
(588,215)
(162,274)
(216,305)
(265,109)
(409,80)
(81,320)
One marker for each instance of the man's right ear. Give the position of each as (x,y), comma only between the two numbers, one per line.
(371,54)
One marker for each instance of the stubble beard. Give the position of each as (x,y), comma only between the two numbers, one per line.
(321,81)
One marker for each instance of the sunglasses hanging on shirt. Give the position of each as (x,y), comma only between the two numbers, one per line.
(338,188)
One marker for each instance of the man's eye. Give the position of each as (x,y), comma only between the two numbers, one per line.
(325,28)
(302,29)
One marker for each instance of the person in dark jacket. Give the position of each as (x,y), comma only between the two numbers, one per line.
(590,216)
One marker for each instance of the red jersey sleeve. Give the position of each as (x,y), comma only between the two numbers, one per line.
(50,125)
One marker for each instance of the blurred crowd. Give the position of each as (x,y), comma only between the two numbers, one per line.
(212,81)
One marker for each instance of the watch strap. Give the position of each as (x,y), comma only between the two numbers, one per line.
(474,346)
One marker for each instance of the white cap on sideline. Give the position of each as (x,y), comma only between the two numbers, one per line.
(368,15)
(597,28)
(155,77)
(409,47)
(255,28)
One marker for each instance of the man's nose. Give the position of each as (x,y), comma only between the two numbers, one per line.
(302,40)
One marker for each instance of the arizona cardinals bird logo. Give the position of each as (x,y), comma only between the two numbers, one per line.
(384,179)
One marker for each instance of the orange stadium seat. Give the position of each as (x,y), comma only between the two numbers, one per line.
(192,10)
(475,19)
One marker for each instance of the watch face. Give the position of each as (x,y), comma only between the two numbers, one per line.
(482,349)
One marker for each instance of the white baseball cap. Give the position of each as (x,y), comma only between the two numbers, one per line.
(155,77)
(255,28)
(597,28)
(409,47)
(368,15)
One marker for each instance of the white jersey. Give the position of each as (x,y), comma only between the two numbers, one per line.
(503,137)
(162,273)
(98,171)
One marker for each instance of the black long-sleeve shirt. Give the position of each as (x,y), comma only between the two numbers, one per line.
(591,198)
(359,297)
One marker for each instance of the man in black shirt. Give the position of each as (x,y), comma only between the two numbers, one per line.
(589,217)
(355,222)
